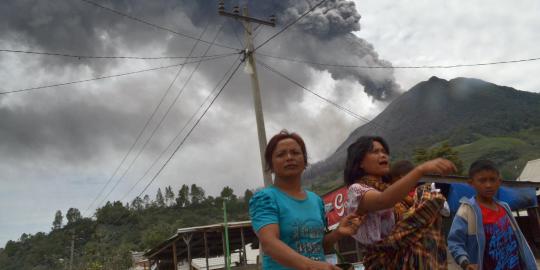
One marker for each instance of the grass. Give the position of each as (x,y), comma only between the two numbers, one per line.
(510,153)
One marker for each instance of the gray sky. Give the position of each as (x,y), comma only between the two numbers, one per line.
(60,145)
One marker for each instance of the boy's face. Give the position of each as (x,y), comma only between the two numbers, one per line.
(486,183)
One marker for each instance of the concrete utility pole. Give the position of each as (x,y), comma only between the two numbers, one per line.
(72,249)
(252,70)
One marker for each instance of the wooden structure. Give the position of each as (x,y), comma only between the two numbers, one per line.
(202,242)
(451,179)
(530,226)
(139,261)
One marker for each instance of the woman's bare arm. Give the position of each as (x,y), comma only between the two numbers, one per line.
(283,254)
(375,200)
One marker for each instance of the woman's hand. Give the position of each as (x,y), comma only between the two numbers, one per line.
(437,166)
(348,225)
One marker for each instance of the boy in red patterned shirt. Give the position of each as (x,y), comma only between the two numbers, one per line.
(484,234)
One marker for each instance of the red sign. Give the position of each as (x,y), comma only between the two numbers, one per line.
(334,205)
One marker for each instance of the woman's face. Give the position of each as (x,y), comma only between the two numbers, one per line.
(376,161)
(288,159)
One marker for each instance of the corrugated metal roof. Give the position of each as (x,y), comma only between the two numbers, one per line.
(213,230)
(230,225)
(531,172)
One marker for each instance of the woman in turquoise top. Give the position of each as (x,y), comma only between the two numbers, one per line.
(290,221)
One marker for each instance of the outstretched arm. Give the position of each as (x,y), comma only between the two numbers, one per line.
(374,200)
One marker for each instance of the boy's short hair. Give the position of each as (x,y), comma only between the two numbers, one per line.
(482,165)
(400,168)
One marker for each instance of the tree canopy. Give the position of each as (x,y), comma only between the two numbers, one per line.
(105,242)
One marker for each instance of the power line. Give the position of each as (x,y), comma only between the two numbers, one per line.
(288,25)
(183,128)
(180,132)
(257,31)
(154,25)
(346,110)
(398,67)
(166,113)
(366,120)
(141,133)
(353,114)
(270,56)
(110,76)
(237,37)
(191,130)
(110,57)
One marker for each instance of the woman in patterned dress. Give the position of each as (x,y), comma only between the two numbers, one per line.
(394,239)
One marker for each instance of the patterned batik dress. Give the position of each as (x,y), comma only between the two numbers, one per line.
(415,240)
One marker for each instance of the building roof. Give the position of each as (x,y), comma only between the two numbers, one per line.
(531,172)
(195,236)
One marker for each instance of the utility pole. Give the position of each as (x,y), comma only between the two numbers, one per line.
(226,229)
(72,249)
(251,68)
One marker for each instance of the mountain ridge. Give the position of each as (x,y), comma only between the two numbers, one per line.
(460,111)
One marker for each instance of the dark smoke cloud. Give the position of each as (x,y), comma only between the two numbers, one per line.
(83,122)
(325,36)
(86,124)
(78,133)
(77,27)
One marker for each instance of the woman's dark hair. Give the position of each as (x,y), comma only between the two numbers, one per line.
(272,144)
(356,153)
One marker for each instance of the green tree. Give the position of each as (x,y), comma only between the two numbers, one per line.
(121,258)
(73,215)
(103,242)
(228,194)
(57,223)
(156,234)
(95,265)
(183,196)
(248,194)
(160,202)
(443,151)
(197,194)
(137,204)
(169,196)
(211,201)
(147,201)
(25,237)
(420,155)
(113,213)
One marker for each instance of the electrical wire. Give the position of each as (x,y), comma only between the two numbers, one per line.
(110,57)
(108,76)
(398,67)
(346,110)
(180,132)
(154,25)
(168,109)
(288,25)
